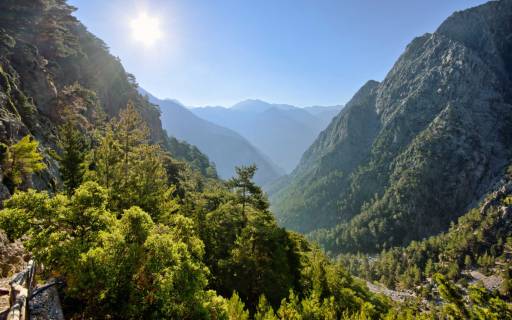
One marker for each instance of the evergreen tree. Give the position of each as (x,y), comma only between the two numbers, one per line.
(104,159)
(248,192)
(134,172)
(264,311)
(131,131)
(73,150)
(453,296)
(236,308)
(506,285)
(467,261)
(20,161)
(125,268)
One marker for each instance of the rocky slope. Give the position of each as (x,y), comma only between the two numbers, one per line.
(52,68)
(409,155)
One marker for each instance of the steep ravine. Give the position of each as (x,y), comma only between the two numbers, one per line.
(412,153)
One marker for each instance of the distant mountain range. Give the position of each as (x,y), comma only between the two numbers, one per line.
(223,146)
(281,131)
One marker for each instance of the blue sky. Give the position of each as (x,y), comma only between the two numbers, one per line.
(301,52)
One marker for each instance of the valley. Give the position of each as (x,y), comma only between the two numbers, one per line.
(395,205)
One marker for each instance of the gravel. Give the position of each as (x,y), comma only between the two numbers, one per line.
(46,306)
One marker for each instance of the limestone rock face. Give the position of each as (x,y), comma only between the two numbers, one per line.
(13,256)
(49,65)
(412,153)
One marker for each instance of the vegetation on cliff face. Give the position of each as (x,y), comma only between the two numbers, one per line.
(52,71)
(411,154)
(480,240)
(19,161)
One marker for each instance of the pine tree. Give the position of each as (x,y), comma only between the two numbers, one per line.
(104,159)
(134,171)
(131,131)
(73,146)
(20,161)
(453,296)
(467,261)
(429,268)
(236,308)
(248,192)
(264,311)
(506,285)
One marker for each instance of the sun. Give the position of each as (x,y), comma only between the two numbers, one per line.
(146,29)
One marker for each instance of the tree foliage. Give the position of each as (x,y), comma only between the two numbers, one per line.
(73,147)
(20,161)
(130,246)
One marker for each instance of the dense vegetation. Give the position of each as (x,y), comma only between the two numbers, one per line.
(479,240)
(191,155)
(129,246)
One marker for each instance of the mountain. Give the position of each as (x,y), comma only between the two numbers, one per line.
(478,245)
(52,71)
(51,67)
(140,234)
(410,154)
(325,114)
(226,148)
(283,132)
(137,234)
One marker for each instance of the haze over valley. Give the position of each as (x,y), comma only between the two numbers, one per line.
(382,191)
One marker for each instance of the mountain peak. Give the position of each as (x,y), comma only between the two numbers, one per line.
(256,105)
(417,149)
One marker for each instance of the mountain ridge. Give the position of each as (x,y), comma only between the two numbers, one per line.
(281,131)
(433,138)
(226,148)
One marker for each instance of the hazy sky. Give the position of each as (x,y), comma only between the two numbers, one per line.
(301,52)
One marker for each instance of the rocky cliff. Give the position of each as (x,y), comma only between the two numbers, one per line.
(409,155)
(51,67)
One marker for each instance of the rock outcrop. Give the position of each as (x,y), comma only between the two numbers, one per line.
(13,257)
(51,67)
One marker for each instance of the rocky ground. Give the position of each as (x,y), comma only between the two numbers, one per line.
(399,296)
(13,257)
(4,298)
(46,306)
(492,282)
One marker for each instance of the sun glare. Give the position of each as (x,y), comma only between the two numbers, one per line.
(146,29)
